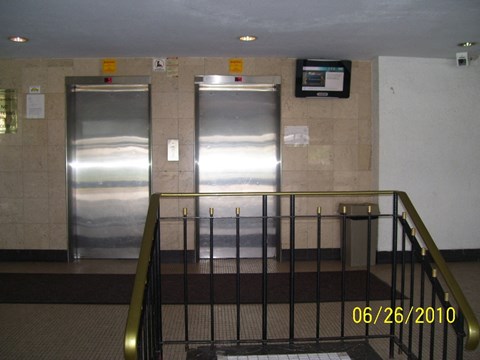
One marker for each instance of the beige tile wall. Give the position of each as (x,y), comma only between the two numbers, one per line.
(32,162)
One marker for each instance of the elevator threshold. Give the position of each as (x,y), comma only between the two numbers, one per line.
(230,253)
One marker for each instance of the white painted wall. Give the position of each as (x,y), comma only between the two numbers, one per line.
(427,116)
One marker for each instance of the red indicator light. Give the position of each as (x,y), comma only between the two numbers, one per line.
(107,80)
(238,79)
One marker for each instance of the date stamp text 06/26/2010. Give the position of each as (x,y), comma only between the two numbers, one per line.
(400,315)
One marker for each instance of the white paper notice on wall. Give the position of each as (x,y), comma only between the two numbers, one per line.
(35,106)
(173,150)
(296,136)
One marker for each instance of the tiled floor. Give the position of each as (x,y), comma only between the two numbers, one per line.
(34,331)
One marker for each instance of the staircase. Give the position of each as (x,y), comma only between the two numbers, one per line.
(430,320)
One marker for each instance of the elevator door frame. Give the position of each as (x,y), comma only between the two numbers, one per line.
(239,84)
(135,230)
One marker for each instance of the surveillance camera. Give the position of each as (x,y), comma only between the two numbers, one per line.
(462,59)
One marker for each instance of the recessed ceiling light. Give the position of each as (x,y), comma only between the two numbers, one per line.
(18,39)
(467,44)
(248,38)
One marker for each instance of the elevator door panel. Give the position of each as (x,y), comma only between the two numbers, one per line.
(237,151)
(109,168)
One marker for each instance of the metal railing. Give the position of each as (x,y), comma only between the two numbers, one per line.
(426,315)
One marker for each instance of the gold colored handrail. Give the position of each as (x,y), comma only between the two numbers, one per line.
(136,304)
(473,332)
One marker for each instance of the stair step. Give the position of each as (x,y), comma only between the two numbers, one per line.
(324,356)
(351,350)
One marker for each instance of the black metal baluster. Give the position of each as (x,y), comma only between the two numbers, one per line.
(147,347)
(159,284)
(150,305)
(445,327)
(292,269)
(460,334)
(142,346)
(394,269)
(237,243)
(432,327)
(185,275)
(264,269)
(317,293)
(402,280)
(155,281)
(422,305)
(212,291)
(412,290)
(343,251)
(151,338)
(369,248)
(150,296)
(144,350)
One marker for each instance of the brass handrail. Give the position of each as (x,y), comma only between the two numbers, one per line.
(473,332)
(136,303)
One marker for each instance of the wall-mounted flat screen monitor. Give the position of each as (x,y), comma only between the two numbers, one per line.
(323,78)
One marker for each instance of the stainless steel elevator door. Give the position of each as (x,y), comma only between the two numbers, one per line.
(108,165)
(237,150)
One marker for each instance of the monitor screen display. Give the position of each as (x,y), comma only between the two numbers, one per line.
(323,78)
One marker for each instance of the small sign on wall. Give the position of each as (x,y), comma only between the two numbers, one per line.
(159,64)
(109,66)
(35,89)
(235,66)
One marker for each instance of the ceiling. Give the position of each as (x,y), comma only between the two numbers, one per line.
(336,29)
